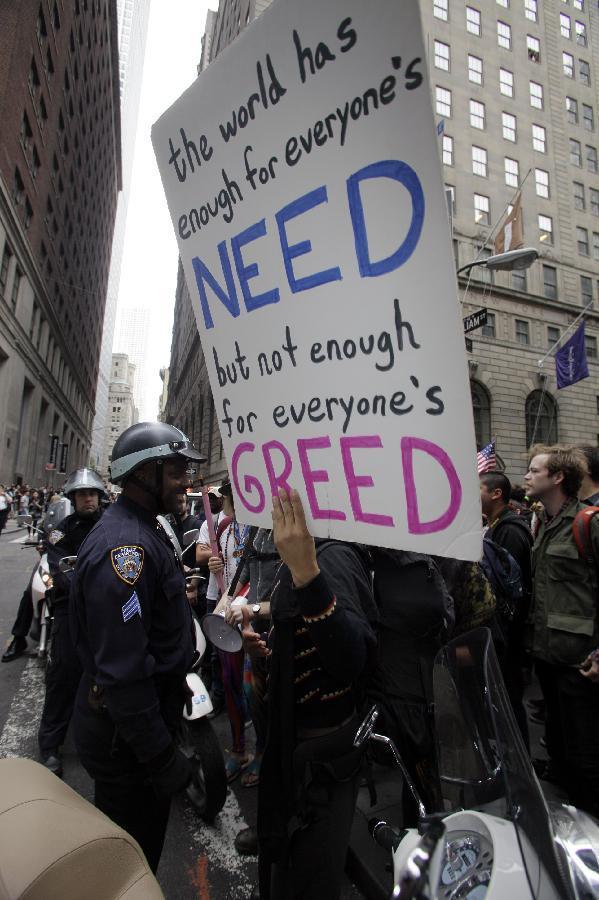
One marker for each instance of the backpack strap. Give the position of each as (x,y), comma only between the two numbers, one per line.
(224,523)
(581,531)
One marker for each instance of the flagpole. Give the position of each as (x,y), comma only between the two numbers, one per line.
(562,336)
(493,231)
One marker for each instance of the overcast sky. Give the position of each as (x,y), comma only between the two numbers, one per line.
(149,269)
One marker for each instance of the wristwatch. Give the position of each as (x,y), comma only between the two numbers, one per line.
(256,609)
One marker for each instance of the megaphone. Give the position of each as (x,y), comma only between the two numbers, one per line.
(224,636)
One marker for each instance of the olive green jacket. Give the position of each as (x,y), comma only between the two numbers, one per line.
(563,616)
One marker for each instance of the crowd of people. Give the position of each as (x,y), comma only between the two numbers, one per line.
(328,628)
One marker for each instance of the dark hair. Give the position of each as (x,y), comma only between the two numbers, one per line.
(592,457)
(518,493)
(570,461)
(495,480)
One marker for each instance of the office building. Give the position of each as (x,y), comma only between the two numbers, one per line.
(121,406)
(514,93)
(60,174)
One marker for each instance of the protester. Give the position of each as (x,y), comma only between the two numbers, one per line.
(5,504)
(589,490)
(510,531)
(563,623)
(322,643)
(131,624)
(211,672)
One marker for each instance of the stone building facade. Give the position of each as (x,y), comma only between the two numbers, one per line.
(514,90)
(60,174)
(121,412)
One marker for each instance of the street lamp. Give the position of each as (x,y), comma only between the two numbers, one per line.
(512,259)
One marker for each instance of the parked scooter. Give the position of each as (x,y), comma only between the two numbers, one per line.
(497,836)
(41,588)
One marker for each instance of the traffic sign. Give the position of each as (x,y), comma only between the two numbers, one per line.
(475,320)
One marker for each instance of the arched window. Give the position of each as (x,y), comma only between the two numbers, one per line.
(481,407)
(541,418)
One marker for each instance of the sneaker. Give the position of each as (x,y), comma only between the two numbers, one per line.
(16,648)
(53,762)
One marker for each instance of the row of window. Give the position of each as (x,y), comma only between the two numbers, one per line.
(530,8)
(522,334)
(540,416)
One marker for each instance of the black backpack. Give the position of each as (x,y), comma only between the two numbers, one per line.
(505,577)
(411,595)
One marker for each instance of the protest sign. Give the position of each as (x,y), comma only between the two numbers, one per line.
(302,176)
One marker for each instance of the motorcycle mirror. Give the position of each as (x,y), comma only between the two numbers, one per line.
(24,519)
(191,536)
(366,728)
(67,564)
(224,636)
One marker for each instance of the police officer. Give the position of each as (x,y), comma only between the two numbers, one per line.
(85,490)
(132,628)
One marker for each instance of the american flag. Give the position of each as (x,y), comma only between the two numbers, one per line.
(485,458)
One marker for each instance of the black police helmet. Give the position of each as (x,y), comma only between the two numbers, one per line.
(147,441)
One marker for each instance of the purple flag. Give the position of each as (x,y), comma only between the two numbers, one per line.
(571,360)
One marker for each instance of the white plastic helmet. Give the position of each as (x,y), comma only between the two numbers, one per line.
(81,480)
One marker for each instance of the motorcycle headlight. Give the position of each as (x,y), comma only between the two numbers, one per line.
(578,835)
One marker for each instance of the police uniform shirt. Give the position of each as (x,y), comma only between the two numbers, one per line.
(64,540)
(131,622)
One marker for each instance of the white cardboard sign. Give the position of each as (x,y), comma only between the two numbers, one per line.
(302,176)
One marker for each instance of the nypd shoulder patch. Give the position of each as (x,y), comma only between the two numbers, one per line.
(55,536)
(132,607)
(127,562)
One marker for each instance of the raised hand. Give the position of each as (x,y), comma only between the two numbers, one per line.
(292,538)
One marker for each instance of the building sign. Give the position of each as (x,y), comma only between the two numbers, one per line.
(54,441)
(64,456)
(475,320)
(302,175)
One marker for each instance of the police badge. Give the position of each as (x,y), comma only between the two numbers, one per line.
(127,562)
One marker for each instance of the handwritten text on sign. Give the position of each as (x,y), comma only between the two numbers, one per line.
(303,181)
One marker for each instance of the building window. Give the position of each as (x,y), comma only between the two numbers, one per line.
(550,282)
(505,3)
(511,167)
(477,114)
(443,101)
(539,138)
(519,280)
(18,190)
(14,294)
(591,348)
(447,150)
(522,331)
(580,30)
(450,198)
(594,201)
(542,183)
(534,48)
(475,69)
(553,335)
(572,110)
(504,35)
(582,241)
(579,4)
(488,329)
(578,191)
(584,71)
(482,214)
(541,419)
(568,65)
(586,290)
(545,229)
(481,408)
(508,125)
(575,153)
(506,82)
(479,161)
(536,95)
(440,9)
(6,258)
(591,158)
(530,10)
(587,117)
(442,58)
(473,20)
(564,26)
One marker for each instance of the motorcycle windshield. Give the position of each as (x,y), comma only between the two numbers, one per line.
(483,763)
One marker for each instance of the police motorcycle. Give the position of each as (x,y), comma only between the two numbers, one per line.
(497,836)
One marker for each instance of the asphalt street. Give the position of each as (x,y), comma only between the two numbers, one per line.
(199,861)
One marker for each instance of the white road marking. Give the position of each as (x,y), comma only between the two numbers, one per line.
(217,843)
(19,735)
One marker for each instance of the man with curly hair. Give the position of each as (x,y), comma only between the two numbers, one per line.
(563,621)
